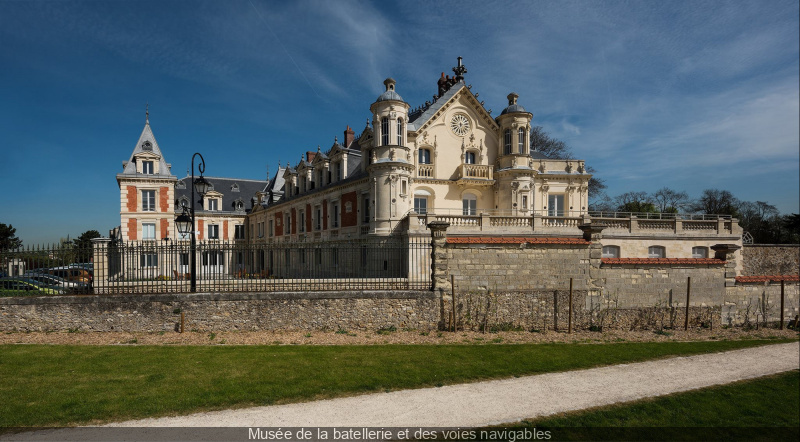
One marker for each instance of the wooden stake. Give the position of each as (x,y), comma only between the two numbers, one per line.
(782,294)
(453,299)
(688,293)
(569,326)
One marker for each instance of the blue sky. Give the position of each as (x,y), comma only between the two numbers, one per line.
(685,94)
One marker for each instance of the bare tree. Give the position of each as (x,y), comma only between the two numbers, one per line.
(717,202)
(670,201)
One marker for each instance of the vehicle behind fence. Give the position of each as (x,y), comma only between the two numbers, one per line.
(111,267)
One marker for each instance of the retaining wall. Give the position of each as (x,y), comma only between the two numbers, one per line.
(366,310)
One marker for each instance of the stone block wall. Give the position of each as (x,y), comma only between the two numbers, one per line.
(747,303)
(642,285)
(223,312)
(517,267)
(766,259)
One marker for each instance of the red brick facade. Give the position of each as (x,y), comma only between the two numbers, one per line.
(294,222)
(200,229)
(308,217)
(278,223)
(132,199)
(132,234)
(163,198)
(225,229)
(349,219)
(164,228)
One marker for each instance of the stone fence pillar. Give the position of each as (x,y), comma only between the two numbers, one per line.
(439,271)
(100,263)
(725,252)
(594,233)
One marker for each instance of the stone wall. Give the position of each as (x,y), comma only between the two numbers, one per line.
(767,259)
(516,267)
(747,303)
(229,312)
(642,285)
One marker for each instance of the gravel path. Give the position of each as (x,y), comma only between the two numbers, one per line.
(511,400)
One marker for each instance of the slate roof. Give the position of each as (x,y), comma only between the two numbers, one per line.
(415,121)
(147,136)
(247,191)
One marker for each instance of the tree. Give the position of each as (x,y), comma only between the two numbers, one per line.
(717,202)
(543,143)
(8,237)
(638,202)
(83,245)
(670,201)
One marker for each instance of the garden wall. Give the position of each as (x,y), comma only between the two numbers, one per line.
(364,310)
(768,259)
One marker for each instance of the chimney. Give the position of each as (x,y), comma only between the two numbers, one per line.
(349,136)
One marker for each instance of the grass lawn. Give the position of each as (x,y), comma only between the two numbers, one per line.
(45,385)
(716,413)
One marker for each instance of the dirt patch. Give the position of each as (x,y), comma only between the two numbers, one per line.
(360,337)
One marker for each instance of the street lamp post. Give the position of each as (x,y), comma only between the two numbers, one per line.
(186,221)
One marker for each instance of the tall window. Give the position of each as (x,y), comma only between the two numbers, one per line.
(555,205)
(238,231)
(147,167)
(610,252)
(507,142)
(699,252)
(261,230)
(149,260)
(213,204)
(148,231)
(521,140)
(470,204)
(213,231)
(271,229)
(469,158)
(524,202)
(302,219)
(148,200)
(338,169)
(318,218)
(656,252)
(384,131)
(399,131)
(335,215)
(421,205)
(424,156)
(365,207)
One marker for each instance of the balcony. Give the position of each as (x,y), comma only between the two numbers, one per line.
(425,171)
(476,174)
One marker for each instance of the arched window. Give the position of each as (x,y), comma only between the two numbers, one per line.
(384,131)
(656,252)
(469,158)
(399,131)
(699,252)
(507,142)
(469,203)
(610,252)
(424,156)
(521,140)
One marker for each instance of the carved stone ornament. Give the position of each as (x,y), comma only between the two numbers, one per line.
(569,167)
(581,169)
(545,188)
(515,185)
(542,166)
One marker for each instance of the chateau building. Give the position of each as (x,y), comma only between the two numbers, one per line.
(446,160)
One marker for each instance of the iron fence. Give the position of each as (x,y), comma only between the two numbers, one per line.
(143,267)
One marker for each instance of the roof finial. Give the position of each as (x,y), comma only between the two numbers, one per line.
(367,121)
(317,148)
(147,113)
(460,70)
